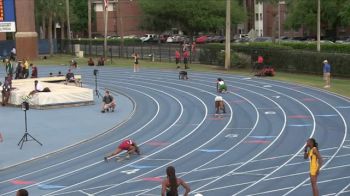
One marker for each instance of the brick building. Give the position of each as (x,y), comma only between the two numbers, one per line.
(124,16)
(263,16)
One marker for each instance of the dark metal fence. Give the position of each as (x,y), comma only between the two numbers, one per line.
(162,52)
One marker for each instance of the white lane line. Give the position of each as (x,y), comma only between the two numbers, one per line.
(274,190)
(278,136)
(280,133)
(314,121)
(130,193)
(343,190)
(114,170)
(82,155)
(193,150)
(152,159)
(98,149)
(340,146)
(258,117)
(93,164)
(248,173)
(85,193)
(271,191)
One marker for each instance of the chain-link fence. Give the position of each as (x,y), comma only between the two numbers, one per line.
(163,52)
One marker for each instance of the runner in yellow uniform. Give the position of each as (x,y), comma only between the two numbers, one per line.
(315,162)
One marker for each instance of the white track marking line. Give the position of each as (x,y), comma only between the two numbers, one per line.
(247,135)
(231,117)
(314,119)
(192,151)
(112,171)
(69,160)
(87,166)
(197,189)
(343,190)
(85,193)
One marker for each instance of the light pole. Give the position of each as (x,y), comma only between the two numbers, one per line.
(68,20)
(318,25)
(89,24)
(228,35)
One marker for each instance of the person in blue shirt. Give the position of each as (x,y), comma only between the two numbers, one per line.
(327,73)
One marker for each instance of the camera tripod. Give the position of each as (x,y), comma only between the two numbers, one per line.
(97,93)
(26,134)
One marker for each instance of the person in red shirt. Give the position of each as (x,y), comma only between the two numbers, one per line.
(186,55)
(128,145)
(177,58)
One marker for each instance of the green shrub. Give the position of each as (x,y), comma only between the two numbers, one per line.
(282,58)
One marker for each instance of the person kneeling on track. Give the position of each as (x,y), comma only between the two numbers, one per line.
(183,75)
(219,105)
(221,86)
(128,145)
(108,102)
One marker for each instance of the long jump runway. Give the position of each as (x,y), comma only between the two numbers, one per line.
(255,149)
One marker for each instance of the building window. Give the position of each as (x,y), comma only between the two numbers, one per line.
(261,18)
(256,17)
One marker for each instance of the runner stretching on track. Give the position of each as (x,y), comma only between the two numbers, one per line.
(128,145)
(315,162)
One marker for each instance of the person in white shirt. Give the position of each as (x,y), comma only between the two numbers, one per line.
(219,105)
(38,88)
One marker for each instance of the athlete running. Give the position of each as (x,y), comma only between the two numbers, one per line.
(128,145)
(315,162)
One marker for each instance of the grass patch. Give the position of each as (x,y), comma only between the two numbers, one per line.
(339,85)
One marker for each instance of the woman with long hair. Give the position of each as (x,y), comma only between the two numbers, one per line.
(136,62)
(171,183)
(311,151)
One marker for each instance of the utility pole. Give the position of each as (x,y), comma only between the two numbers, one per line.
(106,25)
(89,24)
(68,20)
(121,26)
(228,35)
(318,25)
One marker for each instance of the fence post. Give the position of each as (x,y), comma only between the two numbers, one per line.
(169,53)
(160,52)
(141,52)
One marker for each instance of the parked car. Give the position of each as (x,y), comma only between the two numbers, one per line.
(149,38)
(263,39)
(202,39)
(177,39)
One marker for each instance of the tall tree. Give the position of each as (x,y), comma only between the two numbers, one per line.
(303,13)
(189,16)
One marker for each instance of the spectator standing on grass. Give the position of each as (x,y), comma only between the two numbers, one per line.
(171,183)
(34,71)
(327,73)
(177,58)
(185,56)
(91,62)
(136,62)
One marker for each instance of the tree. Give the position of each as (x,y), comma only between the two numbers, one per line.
(189,16)
(303,13)
(50,12)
